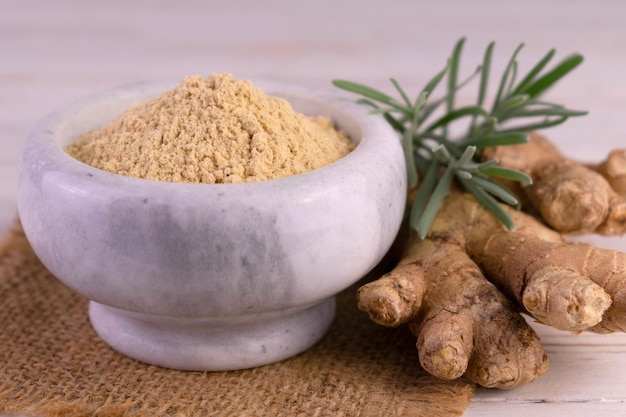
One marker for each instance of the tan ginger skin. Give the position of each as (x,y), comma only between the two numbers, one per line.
(466,325)
(569,196)
(614,170)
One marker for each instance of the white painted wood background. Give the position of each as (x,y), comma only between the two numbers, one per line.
(52,52)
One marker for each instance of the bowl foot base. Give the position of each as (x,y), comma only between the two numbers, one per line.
(212,344)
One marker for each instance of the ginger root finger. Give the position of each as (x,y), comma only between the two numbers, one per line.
(545,283)
(497,353)
(395,298)
(562,299)
(517,262)
(607,268)
(569,196)
(614,170)
(444,343)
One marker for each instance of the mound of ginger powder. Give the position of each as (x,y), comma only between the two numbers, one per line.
(213,130)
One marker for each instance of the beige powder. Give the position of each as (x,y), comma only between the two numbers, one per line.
(213,130)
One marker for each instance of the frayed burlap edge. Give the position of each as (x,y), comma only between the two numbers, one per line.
(52,364)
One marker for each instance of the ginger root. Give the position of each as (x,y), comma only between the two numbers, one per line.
(569,196)
(614,171)
(461,289)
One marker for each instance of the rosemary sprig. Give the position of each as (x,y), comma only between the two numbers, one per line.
(440,159)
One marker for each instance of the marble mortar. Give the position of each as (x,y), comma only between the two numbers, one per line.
(211,277)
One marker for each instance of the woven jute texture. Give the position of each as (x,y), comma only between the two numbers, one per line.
(53,364)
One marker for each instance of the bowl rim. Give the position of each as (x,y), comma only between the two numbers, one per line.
(373,137)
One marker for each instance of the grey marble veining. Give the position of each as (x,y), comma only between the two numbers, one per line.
(216,266)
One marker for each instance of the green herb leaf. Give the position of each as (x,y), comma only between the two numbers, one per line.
(490,203)
(442,153)
(407,146)
(507,174)
(456,114)
(484,78)
(369,93)
(505,76)
(455,61)
(431,209)
(397,125)
(495,189)
(536,126)
(431,107)
(530,77)
(497,139)
(402,93)
(421,198)
(545,82)
(477,167)
(434,82)
(547,112)
(467,156)
(512,103)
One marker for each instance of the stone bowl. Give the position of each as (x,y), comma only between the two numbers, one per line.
(211,277)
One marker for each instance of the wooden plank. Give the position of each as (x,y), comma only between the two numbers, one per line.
(549,409)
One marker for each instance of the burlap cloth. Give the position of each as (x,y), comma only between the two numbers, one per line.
(53,364)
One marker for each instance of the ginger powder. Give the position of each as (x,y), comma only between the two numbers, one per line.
(213,130)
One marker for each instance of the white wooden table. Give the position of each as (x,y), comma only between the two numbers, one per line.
(54,52)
